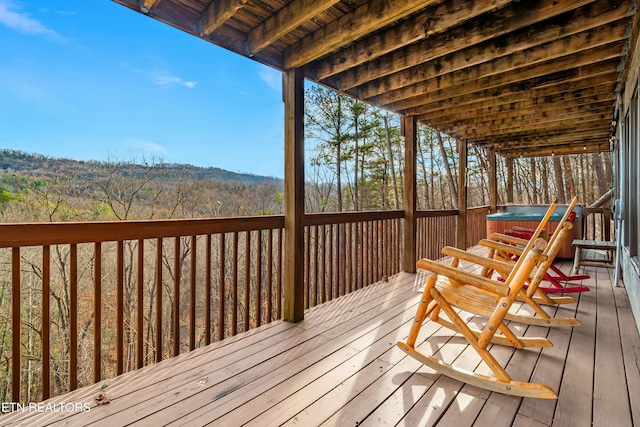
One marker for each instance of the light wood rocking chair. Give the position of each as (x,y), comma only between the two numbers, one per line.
(499,259)
(451,288)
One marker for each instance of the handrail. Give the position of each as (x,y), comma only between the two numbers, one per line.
(171,285)
(58,233)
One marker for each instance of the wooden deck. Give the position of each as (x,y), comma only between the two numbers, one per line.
(341,367)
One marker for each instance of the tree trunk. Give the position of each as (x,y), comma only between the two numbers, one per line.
(557,168)
(452,182)
(545,181)
(601,178)
(339,175)
(568,174)
(356,137)
(396,201)
(427,199)
(534,181)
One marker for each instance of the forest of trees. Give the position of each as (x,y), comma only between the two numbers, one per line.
(355,161)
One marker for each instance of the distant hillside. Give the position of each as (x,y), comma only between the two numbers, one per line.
(35,165)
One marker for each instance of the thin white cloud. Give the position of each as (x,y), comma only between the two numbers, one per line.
(23,23)
(271,77)
(145,145)
(163,78)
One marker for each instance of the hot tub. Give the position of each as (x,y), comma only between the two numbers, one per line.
(529,216)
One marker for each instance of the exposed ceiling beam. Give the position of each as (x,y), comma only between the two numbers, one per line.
(513,18)
(284,21)
(584,147)
(557,136)
(498,130)
(504,105)
(147,5)
(521,120)
(369,17)
(522,80)
(434,20)
(497,73)
(490,98)
(217,13)
(524,48)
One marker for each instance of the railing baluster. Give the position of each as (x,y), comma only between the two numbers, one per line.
(120,308)
(176,295)
(316,269)
(247,280)
(307,266)
(207,292)
(192,278)
(324,263)
(331,262)
(159,300)
(16,325)
(46,322)
(234,313)
(97,313)
(280,268)
(259,278)
(73,317)
(221,283)
(140,314)
(270,276)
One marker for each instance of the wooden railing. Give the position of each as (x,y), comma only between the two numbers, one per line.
(597,224)
(347,251)
(476,224)
(141,291)
(91,300)
(435,230)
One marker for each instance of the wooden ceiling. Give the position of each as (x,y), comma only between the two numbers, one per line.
(525,78)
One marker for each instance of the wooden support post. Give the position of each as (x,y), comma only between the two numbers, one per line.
(410,193)
(461,238)
(493,182)
(293,93)
(509,162)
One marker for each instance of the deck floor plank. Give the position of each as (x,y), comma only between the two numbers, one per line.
(341,366)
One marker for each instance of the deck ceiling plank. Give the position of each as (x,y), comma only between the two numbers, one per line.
(284,21)
(369,17)
(217,13)
(518,17)
(498,129)
(491,98)
(147,5)
(502,72)
(521,50)
(433,20)
(528,113)
(518,83)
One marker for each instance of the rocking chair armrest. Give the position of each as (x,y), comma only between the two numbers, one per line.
(464,277)
(500,266)
(499,237)
(502,247)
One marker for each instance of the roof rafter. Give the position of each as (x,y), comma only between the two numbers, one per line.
(524,79)
(504,21)
(217,13)
(370,16)
(147,5)
(490,98)
(530,46)
(284,21)
(432,21)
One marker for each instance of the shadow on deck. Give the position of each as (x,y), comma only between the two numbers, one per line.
(341,367)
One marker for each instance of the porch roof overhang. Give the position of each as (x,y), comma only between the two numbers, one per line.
(524,78)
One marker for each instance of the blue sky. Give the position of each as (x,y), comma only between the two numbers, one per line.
(93,80)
